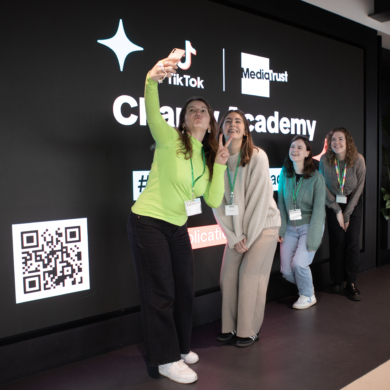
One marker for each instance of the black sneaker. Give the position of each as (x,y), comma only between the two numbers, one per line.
(338,287)
(352,292)
(226,336)
(243,342)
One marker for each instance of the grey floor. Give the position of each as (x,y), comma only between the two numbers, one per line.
(325,347)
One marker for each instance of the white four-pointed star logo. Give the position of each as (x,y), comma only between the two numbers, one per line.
(120,45)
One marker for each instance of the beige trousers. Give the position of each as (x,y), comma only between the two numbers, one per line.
(244,282)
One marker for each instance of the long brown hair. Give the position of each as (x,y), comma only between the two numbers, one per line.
(210,144)
(247,145)
(351,152)
(308,167)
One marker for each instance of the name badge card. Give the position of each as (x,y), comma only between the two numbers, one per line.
(341,199)
(295,214)
(193,207)
(231,209)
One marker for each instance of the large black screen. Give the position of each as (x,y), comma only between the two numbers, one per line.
(74,134)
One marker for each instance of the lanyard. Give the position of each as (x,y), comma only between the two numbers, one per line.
(339,179)
(234,182)
(294,186)
(192,173)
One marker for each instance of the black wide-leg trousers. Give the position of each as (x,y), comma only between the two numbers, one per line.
(344,247)
(164,267)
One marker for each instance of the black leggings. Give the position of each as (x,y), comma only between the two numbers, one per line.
(344,247)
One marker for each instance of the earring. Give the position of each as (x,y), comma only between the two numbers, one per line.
(245,137)
(209,130)
(184,129)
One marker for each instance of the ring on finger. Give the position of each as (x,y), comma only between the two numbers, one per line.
(165,75)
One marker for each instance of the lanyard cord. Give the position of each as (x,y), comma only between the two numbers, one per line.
(192,172)
(338,170)
(234,182)
(294,186)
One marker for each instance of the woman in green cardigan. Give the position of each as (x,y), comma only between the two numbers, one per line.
(301,201)
(188,163)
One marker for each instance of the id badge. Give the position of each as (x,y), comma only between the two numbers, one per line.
(193,207)
(341,199)
(295,214)
(231,209)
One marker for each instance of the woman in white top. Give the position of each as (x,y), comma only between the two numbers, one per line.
(250,220)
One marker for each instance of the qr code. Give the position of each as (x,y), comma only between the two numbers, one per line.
(50,258)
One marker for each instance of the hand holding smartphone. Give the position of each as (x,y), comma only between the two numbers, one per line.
(165,68)
(176,55)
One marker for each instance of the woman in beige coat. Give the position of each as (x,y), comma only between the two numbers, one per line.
(250,220)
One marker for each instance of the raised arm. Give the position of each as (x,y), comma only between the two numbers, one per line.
(162,133)
(215,189)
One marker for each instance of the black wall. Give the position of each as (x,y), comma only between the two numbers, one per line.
(294,13)
(69,157)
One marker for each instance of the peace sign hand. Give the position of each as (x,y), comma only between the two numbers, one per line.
(223,153)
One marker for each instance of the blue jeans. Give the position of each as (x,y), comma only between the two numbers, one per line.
(295,259)
(163,260)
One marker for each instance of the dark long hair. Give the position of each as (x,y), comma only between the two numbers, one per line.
(210,144)
(247,145)
(351,153)
(309,167)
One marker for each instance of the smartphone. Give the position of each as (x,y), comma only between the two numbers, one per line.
(176,55)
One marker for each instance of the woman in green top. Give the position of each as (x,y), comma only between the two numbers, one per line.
(188,163)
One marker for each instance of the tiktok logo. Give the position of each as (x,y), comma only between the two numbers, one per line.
(189,50)
(186,80)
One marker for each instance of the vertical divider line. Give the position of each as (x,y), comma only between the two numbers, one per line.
(223,69)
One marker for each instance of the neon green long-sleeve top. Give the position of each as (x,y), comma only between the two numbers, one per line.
(170,183)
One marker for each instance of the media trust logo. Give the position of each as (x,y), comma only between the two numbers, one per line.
(256,75)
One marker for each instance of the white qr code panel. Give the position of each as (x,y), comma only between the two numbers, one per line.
(50,258)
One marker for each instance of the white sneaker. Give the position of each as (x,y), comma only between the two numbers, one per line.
(178,372)
(304,302)
(190,358)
